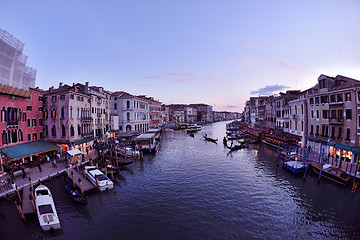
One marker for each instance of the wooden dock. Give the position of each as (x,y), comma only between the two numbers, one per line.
(27,205)
(86,185)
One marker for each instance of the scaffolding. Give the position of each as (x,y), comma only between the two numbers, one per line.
(11,40)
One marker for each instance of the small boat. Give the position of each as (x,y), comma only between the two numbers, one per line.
(333,173)
(45,209)
(99,179)
(74,193)
(294,166)
(225,141)
(210,139)
(191,134)
(237,147)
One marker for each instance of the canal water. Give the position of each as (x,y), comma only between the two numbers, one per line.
(192,189)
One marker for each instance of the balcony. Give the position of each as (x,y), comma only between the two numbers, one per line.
(12,123)
(86,135)
(336,121)
(86,119)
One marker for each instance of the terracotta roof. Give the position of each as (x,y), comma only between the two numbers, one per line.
(5,89)
(122,94)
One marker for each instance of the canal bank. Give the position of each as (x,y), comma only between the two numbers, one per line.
(194,189)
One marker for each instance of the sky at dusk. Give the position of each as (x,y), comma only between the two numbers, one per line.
(188,51)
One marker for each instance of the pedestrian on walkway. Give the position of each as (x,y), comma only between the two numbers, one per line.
(54,163)
(39,167)
(87,151)
(12,176)
(83,158)
(23,172)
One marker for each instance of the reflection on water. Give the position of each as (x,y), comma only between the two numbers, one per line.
(193,189)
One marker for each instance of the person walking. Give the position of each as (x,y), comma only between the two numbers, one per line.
(54,163)
(23,172)
(39,166)
(87,151)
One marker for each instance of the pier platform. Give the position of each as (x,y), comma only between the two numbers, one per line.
(27,206)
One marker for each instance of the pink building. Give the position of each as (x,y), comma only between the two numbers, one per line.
(156,119)
(21,115)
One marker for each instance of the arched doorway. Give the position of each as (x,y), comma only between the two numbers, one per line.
(128,128)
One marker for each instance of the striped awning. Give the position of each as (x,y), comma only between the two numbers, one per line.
(28,149)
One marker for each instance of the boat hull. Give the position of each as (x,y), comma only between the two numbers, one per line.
(294,166)
(343,180)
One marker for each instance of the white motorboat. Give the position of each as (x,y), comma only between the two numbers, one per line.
(98,178)
(45,209)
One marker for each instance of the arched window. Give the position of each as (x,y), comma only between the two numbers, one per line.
(14,135)
(115,106)
(53,131)
(79,129)
(4,137)
(46,113)
(46,130)
(63,134)
(71,110)
(20,133)
(20,114)
(128,116)
(62,113)
(128,104)
(78,112)
(72,130)
(3,114)
(9,136)
(53,113)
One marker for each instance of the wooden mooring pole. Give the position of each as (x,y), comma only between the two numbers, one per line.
(278,155)
(20,211)
(80,186)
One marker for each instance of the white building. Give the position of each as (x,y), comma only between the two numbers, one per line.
(133,111)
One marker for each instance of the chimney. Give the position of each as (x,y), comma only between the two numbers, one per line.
(86,90)
(60,84)
(51,89)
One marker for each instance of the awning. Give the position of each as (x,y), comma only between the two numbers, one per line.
(74,152)
(342,147)
(355,150)
(330,144)
(81,141)
(313,139)
(258,132)
(28,149)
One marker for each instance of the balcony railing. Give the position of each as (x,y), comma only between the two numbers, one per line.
(336,121)
(85,135)
(12,123)
(85,118)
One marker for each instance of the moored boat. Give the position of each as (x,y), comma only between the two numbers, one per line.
(294,166)
(99,179)
(333,173)
(74,193)
(45,209)
(193,128)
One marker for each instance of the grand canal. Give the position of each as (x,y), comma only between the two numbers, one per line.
(192,189)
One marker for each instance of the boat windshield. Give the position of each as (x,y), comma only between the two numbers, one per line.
(41,192)
(43,209)
(101,177)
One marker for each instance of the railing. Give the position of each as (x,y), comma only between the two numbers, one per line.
(86,118)
(336,120)
(12,123)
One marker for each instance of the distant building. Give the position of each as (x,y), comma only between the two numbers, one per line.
(133,111)
(165,114)
(204,112)
(154,111)
(13,69)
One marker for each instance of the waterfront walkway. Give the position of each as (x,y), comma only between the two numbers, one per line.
(48,172)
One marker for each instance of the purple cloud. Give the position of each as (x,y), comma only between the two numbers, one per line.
(268,90)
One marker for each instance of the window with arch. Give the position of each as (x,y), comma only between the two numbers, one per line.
(78,112)
(72,130)
(128,116)
(14,135)
(62,113)
(46,130)
(3,114)
(46,113)
(4,137)
(79,129)
(9,137)
(53,131)
(53,113)
(128,104)
(63,134)
(71,111)
(20,133)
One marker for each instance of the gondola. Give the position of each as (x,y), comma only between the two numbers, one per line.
(73,193)
(237,147)
(210,139)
